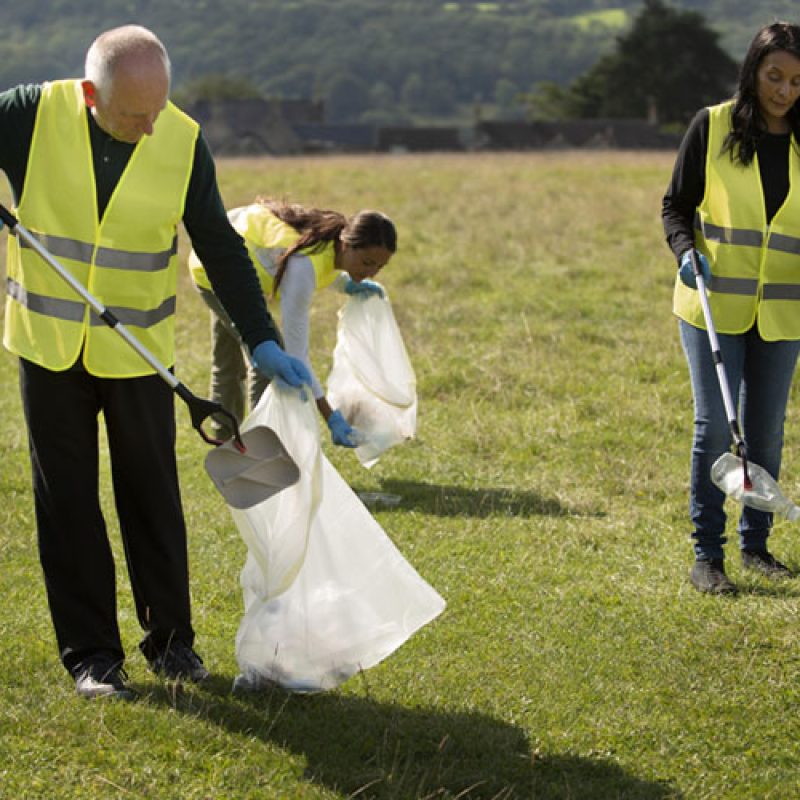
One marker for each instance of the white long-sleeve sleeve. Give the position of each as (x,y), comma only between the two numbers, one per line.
(296,293)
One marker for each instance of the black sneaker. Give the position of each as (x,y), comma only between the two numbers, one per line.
(710,577)
(102,675)
(765,563)
(178,660)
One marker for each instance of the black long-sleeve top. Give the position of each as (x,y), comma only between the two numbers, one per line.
(687,186)
(219,247)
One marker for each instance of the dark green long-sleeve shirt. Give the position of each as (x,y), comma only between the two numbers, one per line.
(219,247)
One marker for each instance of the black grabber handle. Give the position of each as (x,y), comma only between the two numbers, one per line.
(8,218)
(199,409)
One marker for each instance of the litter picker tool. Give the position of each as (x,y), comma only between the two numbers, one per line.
(237,473)
(744,481)
(716,355)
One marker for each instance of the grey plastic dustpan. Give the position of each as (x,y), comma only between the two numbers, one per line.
(250,477)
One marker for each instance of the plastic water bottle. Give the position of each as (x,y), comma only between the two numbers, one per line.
(765,495)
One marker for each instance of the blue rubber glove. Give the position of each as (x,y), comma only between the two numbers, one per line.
(363,288)
(686,270)
(341,432)
(270,360)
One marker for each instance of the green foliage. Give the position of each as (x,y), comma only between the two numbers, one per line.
(436,58)
(611,17)
(668,65)
(456,52)
(346,97)
(216,87)
(549,101)
(545,497)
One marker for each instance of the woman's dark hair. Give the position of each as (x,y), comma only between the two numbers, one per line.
(747,124)
(317,227)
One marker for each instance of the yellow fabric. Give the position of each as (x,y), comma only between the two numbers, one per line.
(742,250)
(113,255)
(262,230)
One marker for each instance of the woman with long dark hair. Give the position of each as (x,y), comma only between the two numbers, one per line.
(734,199)
(296,250)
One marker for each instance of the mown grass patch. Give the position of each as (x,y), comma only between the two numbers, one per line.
(544,497)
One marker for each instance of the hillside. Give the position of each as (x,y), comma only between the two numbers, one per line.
(371,60)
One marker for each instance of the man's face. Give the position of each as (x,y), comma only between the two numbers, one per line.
(137,97)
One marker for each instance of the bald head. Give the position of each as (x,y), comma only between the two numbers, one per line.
(127,81)
(130,49)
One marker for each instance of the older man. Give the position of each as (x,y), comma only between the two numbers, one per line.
(102,171)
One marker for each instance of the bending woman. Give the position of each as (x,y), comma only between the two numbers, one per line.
(296,251)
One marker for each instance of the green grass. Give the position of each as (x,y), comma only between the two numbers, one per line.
(544,497)
(609,17)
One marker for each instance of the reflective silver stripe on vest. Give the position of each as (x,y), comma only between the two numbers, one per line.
(743,286)
(141,262)
(784,243)
(781,291)
(136,318)
(61,247)
(749,238)
(73,310)
(737,236)
(70,310)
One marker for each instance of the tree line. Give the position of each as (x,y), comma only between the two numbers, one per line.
(403,61)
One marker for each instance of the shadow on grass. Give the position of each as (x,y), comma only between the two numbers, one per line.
(457,501)
(366,749)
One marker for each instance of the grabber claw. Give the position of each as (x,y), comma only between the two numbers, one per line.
(201,409)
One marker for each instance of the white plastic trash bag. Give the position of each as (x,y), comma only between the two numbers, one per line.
(372,381)
(326,592)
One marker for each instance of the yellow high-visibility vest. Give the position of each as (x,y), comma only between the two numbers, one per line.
(755,267)
(266,238)
(127,259)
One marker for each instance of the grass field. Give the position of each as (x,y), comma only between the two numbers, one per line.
(544,497)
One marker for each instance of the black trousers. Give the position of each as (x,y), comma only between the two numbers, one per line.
(62,411)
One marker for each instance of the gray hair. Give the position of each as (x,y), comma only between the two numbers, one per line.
(114,46)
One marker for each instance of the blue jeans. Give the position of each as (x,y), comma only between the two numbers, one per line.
(759,375)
